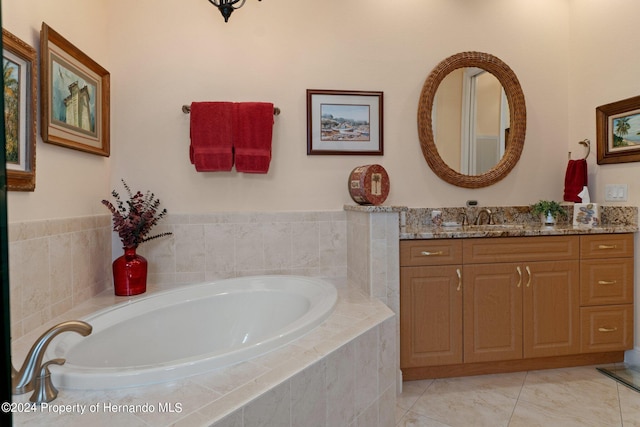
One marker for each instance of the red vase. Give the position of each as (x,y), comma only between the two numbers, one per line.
(130,273)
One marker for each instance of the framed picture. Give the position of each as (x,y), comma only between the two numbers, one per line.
(618,131)
(20,92)
(344,122)
(75,96)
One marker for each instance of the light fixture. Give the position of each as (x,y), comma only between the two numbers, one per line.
(226,7)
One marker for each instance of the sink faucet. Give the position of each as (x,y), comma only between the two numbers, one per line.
(23,381)
(489,216)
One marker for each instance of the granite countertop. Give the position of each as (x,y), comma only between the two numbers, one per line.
(511,221)
(506,230)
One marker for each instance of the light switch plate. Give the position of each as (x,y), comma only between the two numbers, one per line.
(615,192)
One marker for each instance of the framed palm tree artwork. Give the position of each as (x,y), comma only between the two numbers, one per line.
(618,131)
(20,92)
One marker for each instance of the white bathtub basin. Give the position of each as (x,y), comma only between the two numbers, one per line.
(190,330)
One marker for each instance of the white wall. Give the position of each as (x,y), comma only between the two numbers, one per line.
(68,183)
(163,54)
(604,68)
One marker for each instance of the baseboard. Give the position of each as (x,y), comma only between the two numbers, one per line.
(497,367)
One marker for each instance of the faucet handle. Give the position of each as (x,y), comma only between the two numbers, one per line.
(44,390)
(465,219)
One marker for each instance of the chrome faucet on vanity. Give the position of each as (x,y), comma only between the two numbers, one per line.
(489,217)
(34,374)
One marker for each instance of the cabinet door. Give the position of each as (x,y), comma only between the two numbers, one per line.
(492,312)
(551,308)
(430,316)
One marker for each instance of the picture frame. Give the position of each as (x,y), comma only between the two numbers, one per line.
(75,89)
(618,131)
(343,122)
(20,111)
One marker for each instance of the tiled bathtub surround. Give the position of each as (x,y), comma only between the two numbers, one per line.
(340,374)
(55,265)
(373,259)
(223,245)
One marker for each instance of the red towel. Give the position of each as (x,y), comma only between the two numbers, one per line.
(575,179)
(253,132)
(211,146)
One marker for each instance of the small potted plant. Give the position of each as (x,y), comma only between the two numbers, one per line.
(548,211)
(133,219)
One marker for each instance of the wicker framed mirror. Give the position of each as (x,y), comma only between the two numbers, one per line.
(515,135)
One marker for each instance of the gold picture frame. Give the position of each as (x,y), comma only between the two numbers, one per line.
(618,131)
(75,96)
(20,94)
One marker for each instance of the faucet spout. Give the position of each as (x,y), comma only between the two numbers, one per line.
(22,381)
(489,216)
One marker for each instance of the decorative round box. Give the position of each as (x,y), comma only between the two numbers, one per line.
(369,185)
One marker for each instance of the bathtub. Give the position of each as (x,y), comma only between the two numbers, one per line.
(190,330)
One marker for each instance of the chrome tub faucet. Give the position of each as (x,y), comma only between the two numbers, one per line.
(24,380)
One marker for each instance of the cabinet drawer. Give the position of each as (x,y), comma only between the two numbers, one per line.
(606,281)
(430,252)
(606,246)
(519,249)
(608,328)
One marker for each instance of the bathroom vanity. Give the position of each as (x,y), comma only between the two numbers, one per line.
(475,305)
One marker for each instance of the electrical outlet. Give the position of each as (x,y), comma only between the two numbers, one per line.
(615,192)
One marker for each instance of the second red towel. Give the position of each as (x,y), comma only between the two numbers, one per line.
(253,134)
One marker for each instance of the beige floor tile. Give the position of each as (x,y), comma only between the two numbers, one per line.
(580,397)
(629,406)
(411,419)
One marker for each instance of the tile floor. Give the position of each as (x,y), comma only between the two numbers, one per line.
(569,397)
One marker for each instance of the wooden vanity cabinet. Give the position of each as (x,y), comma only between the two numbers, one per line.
(482,305)
(523,309)
(606,292)
(431,302)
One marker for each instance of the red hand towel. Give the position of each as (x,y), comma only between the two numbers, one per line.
(211,146)
(254,130)
(575,178)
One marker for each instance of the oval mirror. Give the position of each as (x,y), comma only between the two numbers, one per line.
(461,95)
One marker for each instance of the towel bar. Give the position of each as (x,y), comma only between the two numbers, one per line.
(187,109)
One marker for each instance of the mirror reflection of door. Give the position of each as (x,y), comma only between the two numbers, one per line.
(470,120)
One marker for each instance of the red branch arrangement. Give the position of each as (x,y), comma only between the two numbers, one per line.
(134,218)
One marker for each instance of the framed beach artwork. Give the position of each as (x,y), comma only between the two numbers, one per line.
(344,122)
(75,96)
(20,92)
(618,131)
